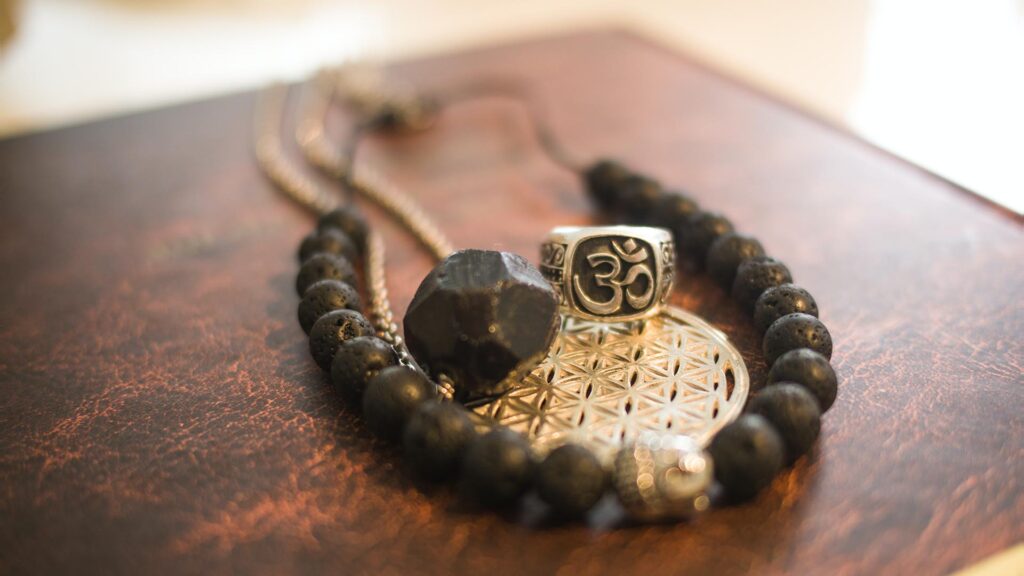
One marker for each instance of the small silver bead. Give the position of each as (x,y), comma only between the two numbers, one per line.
(663,477)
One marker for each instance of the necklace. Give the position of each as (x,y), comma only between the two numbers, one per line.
(627,385)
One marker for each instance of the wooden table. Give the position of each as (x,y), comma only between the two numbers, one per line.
(160,412)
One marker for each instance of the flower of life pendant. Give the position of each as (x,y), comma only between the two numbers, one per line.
(602,385)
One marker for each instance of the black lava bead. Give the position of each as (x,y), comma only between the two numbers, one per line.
(810,370)
(727,253)
(794,331)
(639,197)
(498,468)
(333,329)
(357,361)
(391,397)
(331,241)
(349,220)
(323,266)
(326,296)
(793,412)
(756,275)
(747,454)
(605,183)
(777,301)
(698,232)
(436,438)
(670,209)
(571,480)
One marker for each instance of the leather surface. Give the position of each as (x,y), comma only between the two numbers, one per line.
(160,412)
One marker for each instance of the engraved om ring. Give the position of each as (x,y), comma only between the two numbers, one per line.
(609,273)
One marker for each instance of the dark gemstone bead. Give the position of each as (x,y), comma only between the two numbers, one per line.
(756,275)
(498,468)
(698,232)
(391,397)
(794,331)
(323,266)
(604,183)
(331,241)
(810,370)
(326,296)
(793,412)
(482,318)
(639,196)
(571,480)
(349,220)
(727,253)
(671,208)
(333,329)
(777,301)
(747,454)
(357,361)
(436,438)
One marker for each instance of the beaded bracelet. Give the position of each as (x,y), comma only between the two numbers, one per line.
(497,467)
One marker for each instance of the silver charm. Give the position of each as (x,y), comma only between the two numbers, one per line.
(663,477)
(603,385)
(609,273)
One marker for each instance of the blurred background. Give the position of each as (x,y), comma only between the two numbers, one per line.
(938,82)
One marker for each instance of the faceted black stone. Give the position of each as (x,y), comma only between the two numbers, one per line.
(794,413)
(482,318)
(727,253)
(349,220)
(435,439)
(777,301)
(391,397)
(498,468)
(571,480)
(794,331)
(698,232)
(670,209)
(810,370)
(330,240)
(747,454)
(357,361)
(756,275)
(605,181)
(324,266)
(326,296)
(333,329)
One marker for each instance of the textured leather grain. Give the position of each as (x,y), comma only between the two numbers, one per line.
(160,413)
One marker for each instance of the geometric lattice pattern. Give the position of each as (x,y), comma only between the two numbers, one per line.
(604,384)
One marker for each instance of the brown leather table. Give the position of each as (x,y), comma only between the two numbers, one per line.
(159,412)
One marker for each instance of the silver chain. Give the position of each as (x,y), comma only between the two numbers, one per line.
(271,157)
(380,306)
(364,179)
(292,182)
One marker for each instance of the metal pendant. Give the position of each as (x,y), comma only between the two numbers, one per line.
(604,385)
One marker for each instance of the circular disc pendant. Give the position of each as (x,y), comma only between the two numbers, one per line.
(603,385)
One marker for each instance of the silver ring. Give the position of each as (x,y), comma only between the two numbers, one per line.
(610,273)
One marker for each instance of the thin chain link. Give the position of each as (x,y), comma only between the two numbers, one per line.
(292,182)
(380,306)
(364,179)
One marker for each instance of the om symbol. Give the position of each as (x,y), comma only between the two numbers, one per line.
(607,267)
